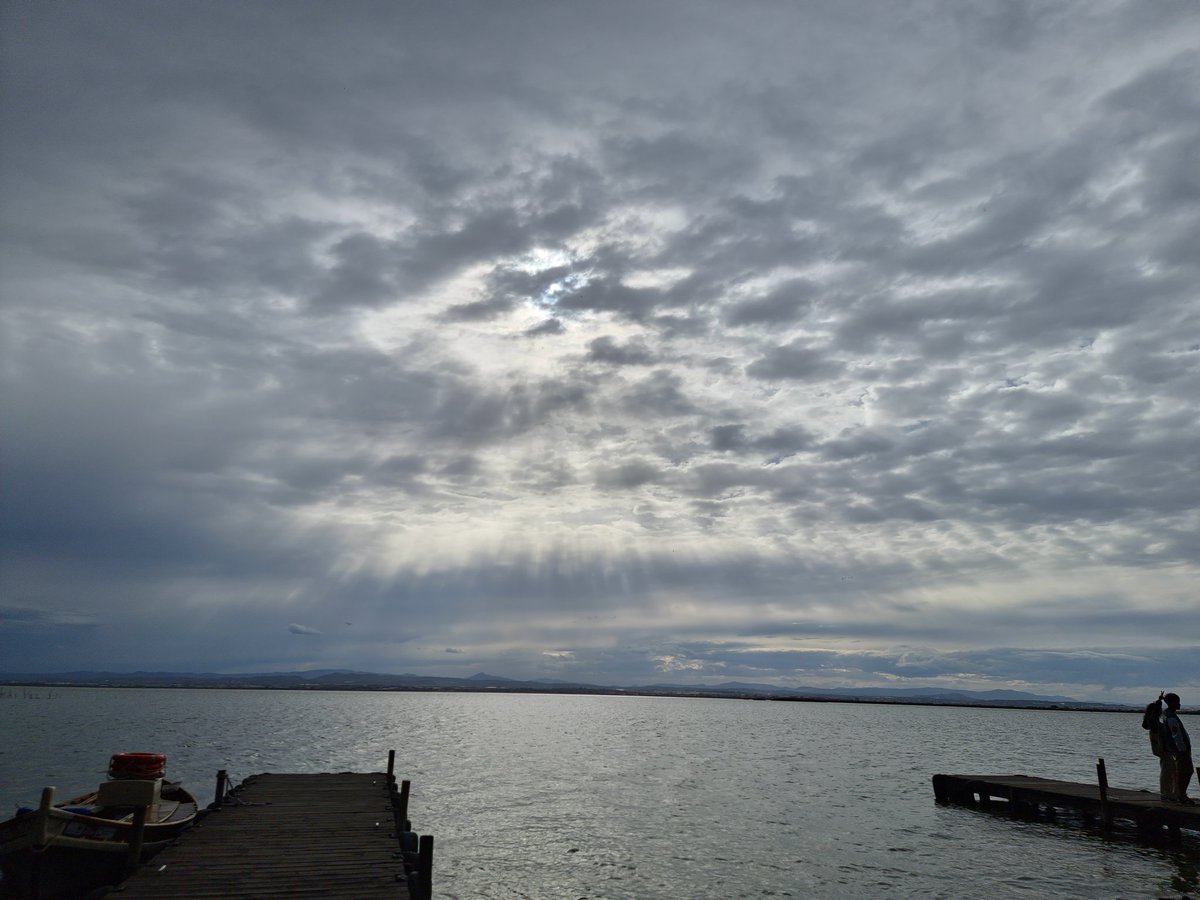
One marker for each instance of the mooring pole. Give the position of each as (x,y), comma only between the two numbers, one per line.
(41,839)
(403,808)
(220,798)
(1102,774)
(425,866)
(391,767)
(43,825)
(136,839)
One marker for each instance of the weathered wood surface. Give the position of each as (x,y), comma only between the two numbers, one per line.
(1140,807)
(286,836)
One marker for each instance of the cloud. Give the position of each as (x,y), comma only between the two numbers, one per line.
(605,349)
(793,361)
(632,474)
(302,629)
(675,664)
(546,327)
(784,304)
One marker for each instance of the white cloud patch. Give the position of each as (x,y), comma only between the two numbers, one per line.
(676,664)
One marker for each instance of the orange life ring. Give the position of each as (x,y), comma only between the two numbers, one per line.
(137,765)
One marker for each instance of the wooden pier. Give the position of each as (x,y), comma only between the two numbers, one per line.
(331,835)
(1154,819)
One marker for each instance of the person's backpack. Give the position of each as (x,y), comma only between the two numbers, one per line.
(1152,722)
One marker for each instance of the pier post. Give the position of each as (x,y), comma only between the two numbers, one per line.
(425,855)
(41,837)
(402,808)
(391,766)
(136,840)
(43,825)
(1102,775)
(220,798)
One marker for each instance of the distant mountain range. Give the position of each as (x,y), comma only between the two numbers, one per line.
(345,679)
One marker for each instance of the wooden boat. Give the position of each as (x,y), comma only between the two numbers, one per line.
(69,849)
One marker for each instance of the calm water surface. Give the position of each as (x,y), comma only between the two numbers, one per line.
(645,798)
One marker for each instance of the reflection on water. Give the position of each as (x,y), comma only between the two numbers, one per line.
(628,797)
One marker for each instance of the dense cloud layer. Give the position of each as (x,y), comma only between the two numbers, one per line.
(832,344)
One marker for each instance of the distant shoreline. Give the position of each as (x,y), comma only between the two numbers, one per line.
(234,684)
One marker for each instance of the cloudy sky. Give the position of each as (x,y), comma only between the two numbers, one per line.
(809,343)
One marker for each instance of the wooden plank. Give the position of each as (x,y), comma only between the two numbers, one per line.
(283,835)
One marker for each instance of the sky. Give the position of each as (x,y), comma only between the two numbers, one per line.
(800,343)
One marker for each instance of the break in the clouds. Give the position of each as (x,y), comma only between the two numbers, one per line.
(813,344)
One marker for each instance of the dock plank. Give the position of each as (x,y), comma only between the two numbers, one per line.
(283,835)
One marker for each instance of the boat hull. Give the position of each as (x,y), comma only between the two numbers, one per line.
(64,873)
(65,854)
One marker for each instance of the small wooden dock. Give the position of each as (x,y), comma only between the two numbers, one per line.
(329,835)
(1154,819)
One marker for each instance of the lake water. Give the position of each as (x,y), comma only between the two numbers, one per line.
(550,796)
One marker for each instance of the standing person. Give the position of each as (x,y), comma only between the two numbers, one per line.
(1176,759)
